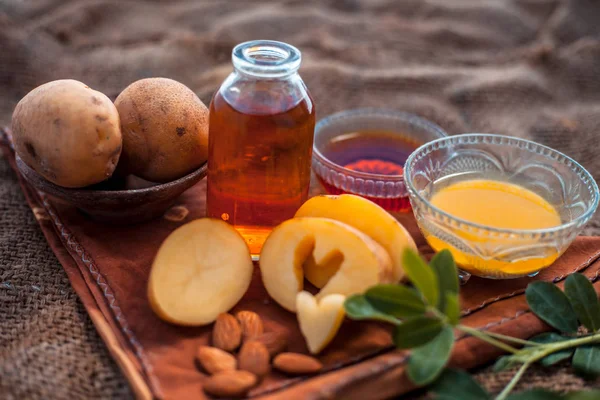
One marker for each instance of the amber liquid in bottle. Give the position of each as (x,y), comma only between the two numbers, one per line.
(260,151)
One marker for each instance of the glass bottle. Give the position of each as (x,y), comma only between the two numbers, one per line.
(260,141)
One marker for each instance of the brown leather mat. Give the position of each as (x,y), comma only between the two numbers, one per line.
(108,267)
(528,68)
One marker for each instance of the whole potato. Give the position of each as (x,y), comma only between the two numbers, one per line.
(165,129)
(69,133)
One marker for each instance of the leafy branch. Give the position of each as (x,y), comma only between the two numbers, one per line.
(427,314)
(459,385)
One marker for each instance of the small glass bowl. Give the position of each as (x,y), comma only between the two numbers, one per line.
(379,176)
(490,252)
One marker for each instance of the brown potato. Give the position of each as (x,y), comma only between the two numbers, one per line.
(165,129)
(69,133)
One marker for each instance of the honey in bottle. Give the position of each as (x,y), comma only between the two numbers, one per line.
(260,141)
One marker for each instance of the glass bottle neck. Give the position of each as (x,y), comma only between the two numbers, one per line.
(266,59)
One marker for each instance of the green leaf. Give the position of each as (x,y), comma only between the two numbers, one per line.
(399,301)
(504,362)
(529,352)
(427,362)
(586,361)
(421,275)
(584,300)
(535,394)
(458,385)
(550,304)
(583,395)
(452,308)
(357,307)
(417,331)
(524,355)
(447,275)
(554,358)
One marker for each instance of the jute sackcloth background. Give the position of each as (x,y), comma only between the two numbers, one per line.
(528,68)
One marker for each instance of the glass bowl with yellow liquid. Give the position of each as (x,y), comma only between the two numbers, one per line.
(504,207)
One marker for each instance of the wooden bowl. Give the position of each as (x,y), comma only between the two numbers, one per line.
(117,201)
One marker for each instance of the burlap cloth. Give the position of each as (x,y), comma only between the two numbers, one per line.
(527,68)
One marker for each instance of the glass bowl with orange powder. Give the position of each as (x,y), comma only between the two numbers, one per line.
(363,151)
(504,207)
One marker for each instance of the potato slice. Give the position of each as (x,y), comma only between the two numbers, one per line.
(200,271)
(368,218)
(365,263)
(319,320)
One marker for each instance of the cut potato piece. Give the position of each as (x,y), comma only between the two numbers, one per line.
(319,321)
(201,270)
(368,218)
(365,263)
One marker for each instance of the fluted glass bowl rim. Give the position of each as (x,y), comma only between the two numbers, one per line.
(463,139)
(374,112)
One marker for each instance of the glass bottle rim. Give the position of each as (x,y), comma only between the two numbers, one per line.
(266,58)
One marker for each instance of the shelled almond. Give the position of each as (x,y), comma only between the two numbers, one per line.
(234,377)
(250,323)
(227,333)
(275,342)
(229,383)
(215,360)
(254,357)
(297,364)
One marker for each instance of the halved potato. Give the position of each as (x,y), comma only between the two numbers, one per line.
(201,270)
(365,216)
(365,263)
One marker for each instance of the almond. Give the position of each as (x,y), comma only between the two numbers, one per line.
(254,357)
(297,364)
(215,360)
(227,333)
(251,324)
(275,342)
(229,383)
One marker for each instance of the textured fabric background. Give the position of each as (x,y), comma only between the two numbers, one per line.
(527,68)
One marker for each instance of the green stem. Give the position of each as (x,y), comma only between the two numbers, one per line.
(546,349)
(550,348)
(486,338)
(512,339)
(441,316)
(505,392)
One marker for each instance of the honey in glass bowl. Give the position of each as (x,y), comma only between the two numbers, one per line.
(260,141)
(375,152)
(363,152)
